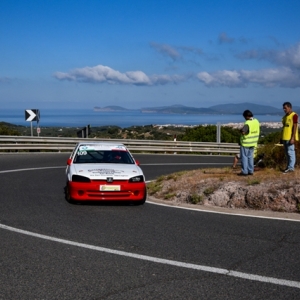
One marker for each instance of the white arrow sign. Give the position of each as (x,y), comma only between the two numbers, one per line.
(30,115)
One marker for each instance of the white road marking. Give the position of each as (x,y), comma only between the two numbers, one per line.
(222,212)
(226,272)
(31,169)
(181,164)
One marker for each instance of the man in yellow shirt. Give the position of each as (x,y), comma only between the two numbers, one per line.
(289,135)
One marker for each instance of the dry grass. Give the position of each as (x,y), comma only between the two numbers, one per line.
(197,185)
(267,189)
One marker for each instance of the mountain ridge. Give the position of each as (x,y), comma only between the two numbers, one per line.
(228,108)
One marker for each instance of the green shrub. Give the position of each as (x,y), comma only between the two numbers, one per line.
(195,199)
(208,191)
(208,134)
(6,130)
(274,156)
(169,196)
(153,187)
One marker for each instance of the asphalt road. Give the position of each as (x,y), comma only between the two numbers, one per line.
(51,249)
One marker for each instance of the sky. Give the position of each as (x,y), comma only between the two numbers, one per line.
(64,54)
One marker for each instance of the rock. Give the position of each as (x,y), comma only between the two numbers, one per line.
(280,194)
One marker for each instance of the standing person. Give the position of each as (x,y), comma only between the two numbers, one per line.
(289,135)
(248,142)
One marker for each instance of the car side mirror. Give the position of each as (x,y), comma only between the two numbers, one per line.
(137,162)
(69,161)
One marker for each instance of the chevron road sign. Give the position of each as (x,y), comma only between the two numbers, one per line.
(32,115)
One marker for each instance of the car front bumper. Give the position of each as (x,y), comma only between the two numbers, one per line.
(91,191)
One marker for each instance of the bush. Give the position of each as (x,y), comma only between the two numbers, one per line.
(274,156)
(195,198)
(5,130)
(209,134)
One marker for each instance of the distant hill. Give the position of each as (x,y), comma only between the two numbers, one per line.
(110,108)
(238,108)
(230,108)
(178,109)
(226,109)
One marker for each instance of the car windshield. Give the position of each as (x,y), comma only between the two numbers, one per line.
(102,157)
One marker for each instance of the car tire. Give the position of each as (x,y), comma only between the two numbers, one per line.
(141,202)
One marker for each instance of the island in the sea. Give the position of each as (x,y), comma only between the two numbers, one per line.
(110,108)
(226,109)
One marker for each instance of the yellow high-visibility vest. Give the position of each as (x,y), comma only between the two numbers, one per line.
(251,139)
(287,129)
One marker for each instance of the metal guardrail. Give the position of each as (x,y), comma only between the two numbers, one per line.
(58,144)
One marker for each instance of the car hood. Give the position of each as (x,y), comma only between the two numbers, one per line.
(102,171)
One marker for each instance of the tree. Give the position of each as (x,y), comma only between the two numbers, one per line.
(209,134)
(5,130)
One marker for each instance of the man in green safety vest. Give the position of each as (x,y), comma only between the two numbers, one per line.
(289,135)
(248,142)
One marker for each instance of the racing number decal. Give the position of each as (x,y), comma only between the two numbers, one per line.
(82,153)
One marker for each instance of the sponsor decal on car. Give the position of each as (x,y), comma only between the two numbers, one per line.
(102,147)
(82,148)
(117,148)
(105,171)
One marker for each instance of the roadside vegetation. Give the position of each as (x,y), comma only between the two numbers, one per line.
(202,133)
(273,154)
(149,132)
(267,189)
(8,129)
(208,134)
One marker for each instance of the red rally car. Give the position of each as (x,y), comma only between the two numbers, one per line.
(104,171)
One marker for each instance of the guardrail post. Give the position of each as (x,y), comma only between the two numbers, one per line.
(175,139)
(218,132)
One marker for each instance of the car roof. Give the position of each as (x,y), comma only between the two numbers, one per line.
(101,143)
(102,146)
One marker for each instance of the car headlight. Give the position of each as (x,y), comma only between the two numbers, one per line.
(78,178)
(137,179)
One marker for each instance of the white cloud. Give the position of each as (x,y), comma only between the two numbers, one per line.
(104,74)
(286,73)
(221,78)
(283,77)
(176,53)
(166,50)
(289,57)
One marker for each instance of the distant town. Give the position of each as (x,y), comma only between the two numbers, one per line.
(233,125)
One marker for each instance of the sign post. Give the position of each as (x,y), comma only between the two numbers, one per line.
(32,115)
(84,132)
(218,132)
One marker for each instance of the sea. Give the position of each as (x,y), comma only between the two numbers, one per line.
(84,117)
